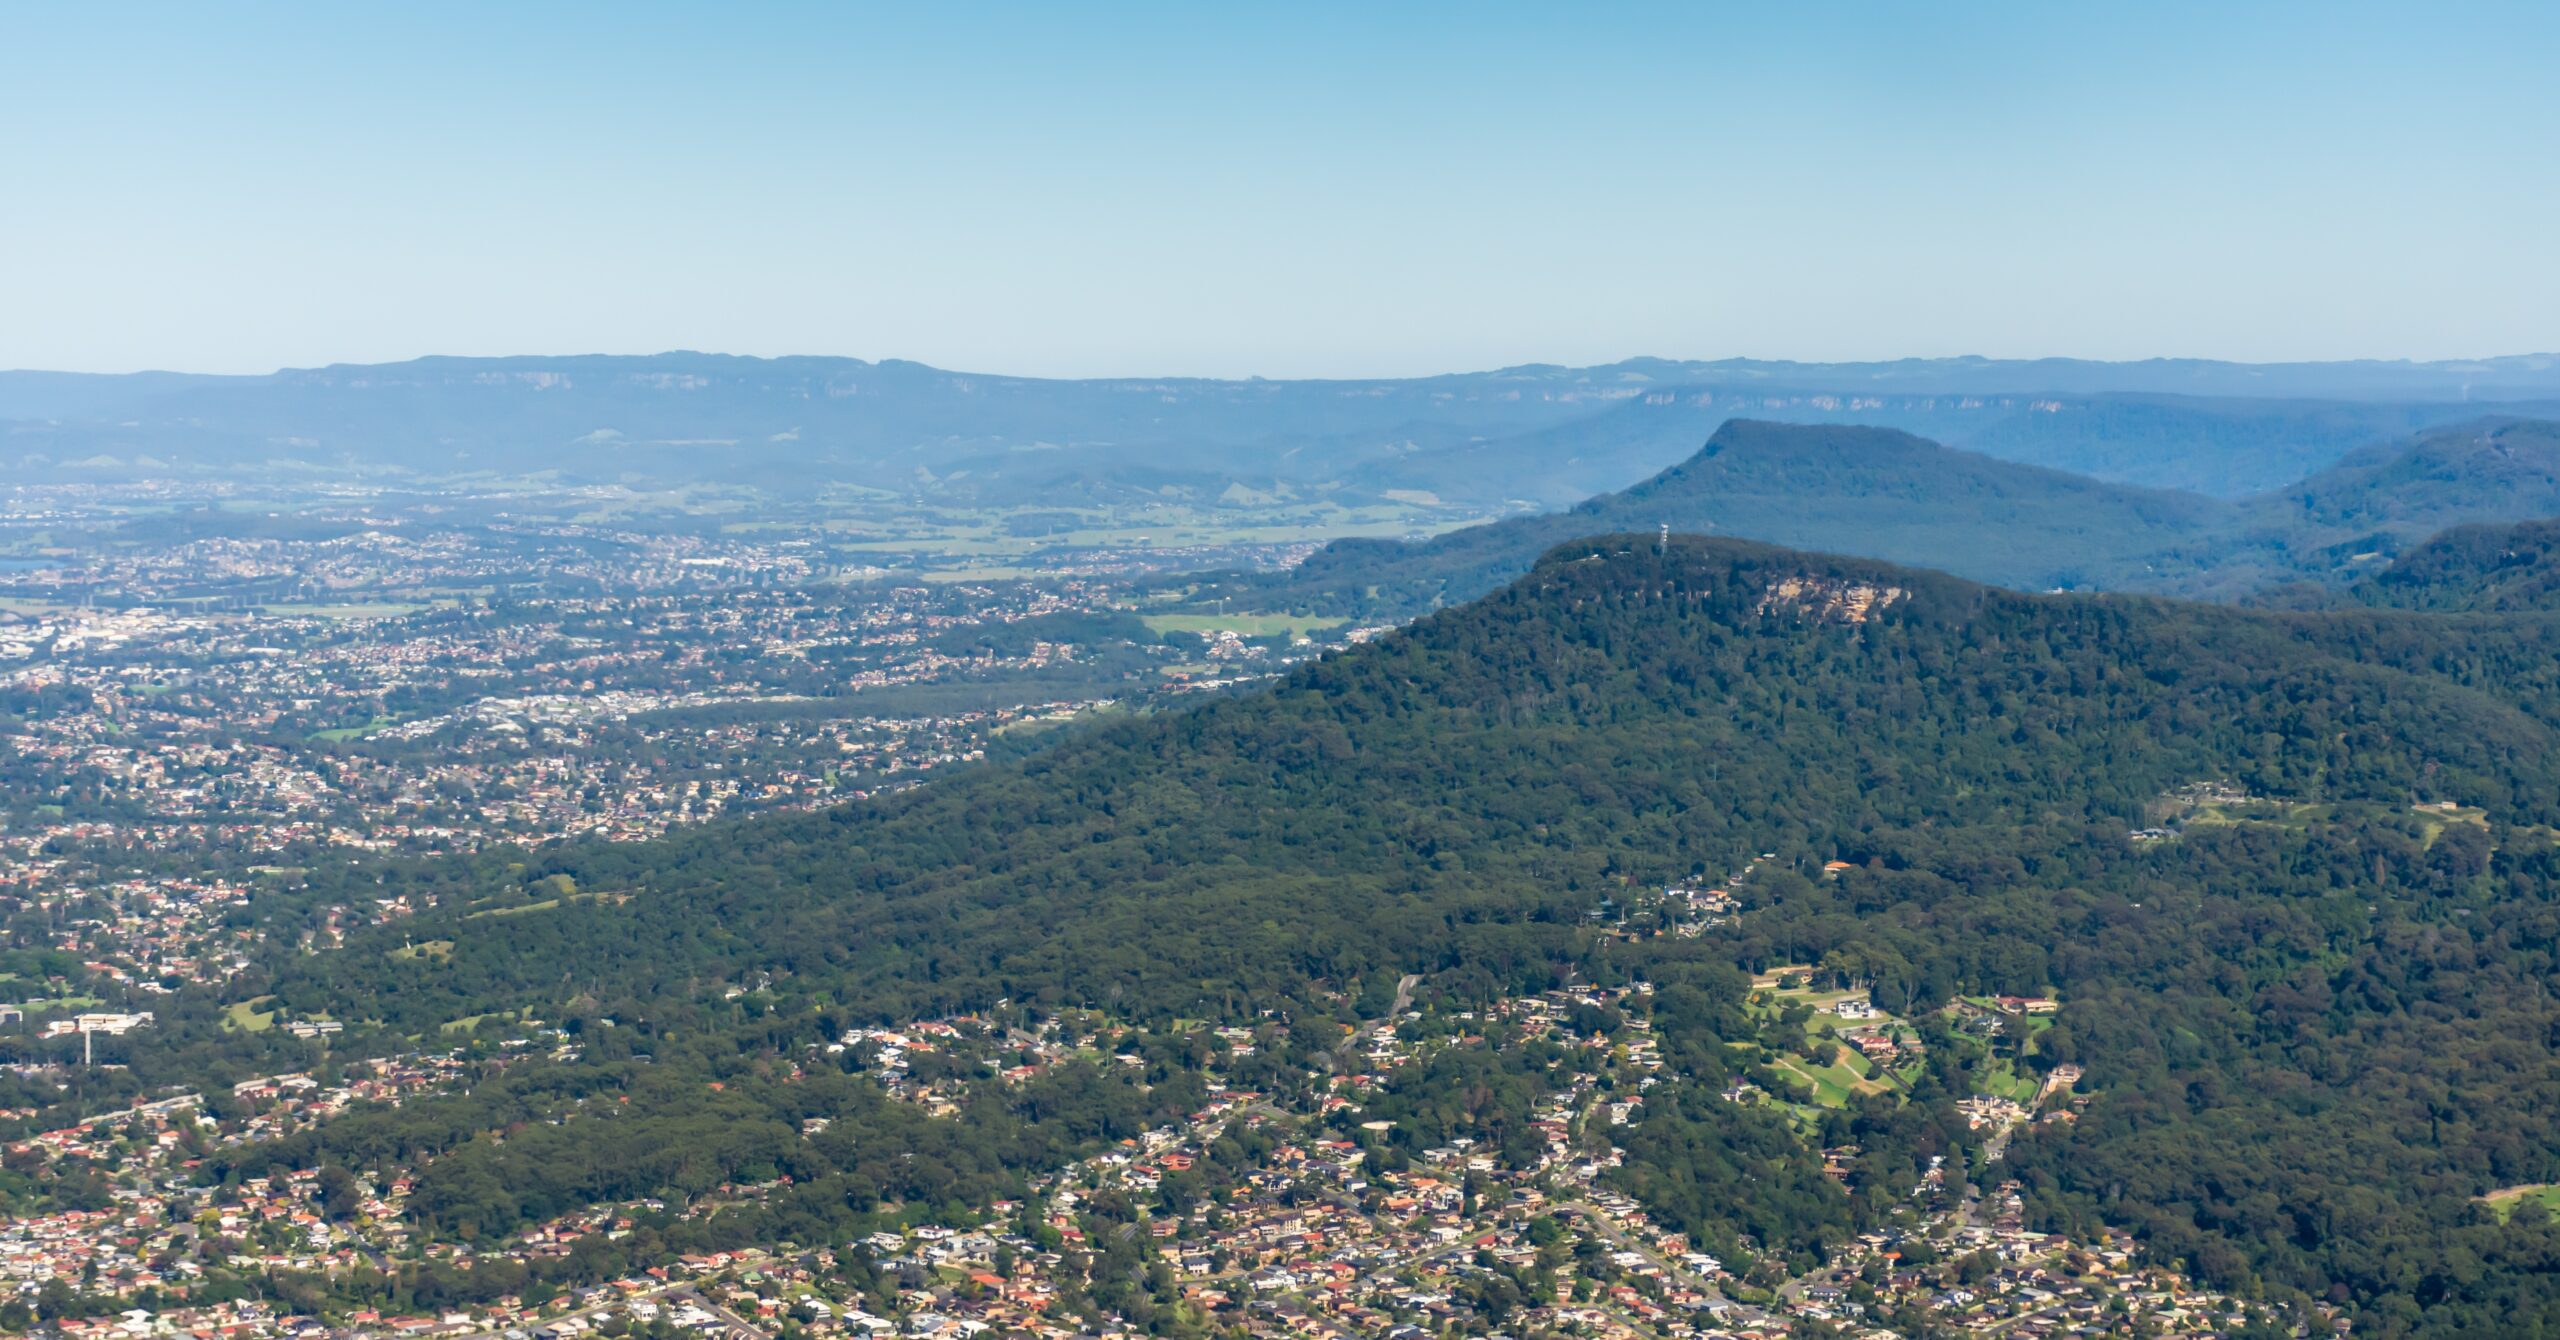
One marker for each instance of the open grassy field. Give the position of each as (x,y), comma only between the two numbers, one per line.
(980,572)
(1003,538)
(1244,625)
(2433,819)
(63,1003)
(342,734)
(1848,1075)
(384,609)
(2504,1200)
(544,905)
(246,1017)
(2281,813)
(2001,1079)
(469,1022)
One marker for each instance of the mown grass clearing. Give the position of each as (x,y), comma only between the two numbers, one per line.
(546,904)
(246,1017)
(386,609)
(470,1022)
(2505,1199)
(2000,1079)
(342,734)
(1243,625)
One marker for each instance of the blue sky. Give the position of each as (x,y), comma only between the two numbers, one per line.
(1278,190)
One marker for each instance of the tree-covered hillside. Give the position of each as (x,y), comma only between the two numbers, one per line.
(1619,712)
(1886,494)
(2228,447)
(2316,1021)
(2444,477)
(2477,568)
(1870,491)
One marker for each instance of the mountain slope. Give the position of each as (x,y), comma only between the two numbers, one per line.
(1534,740)
(1890,495)
(2225,448)
(2332,1012)
(2484,568)
(2229,447)
(2341,525)
(1866,491)
(2499,469)
(1616,654)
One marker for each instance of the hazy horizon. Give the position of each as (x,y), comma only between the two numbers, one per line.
(1156,190)
(1206,672)
(1171,375)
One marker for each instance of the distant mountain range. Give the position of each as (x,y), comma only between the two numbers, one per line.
(2224,448)
(1884,494)
(1532,436)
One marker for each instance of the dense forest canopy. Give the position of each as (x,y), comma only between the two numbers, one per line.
(2293,876)
(1622,713)
(2477,568)
(2317,1028)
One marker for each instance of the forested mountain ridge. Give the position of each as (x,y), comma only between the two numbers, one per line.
(1871,491)
(2476,568)
(2315,1029)
(1890,495)
(2495,468)
(1522,693)
(2228,447)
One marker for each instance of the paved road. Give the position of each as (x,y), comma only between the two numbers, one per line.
(1403,1001)
(1994,1148)
(676,1293)
(1608,1228)
(744,1326)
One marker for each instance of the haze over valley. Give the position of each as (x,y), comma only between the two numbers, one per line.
(1293,675)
